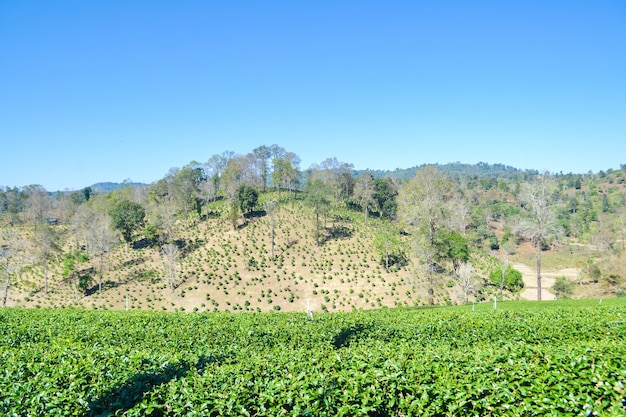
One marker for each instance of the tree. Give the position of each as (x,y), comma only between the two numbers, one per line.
(364,192)
(465,276)
(453,246)
(127,217)
(291,175)
(317,198)
(385,192)
(161,226)
(11,257)
(6,254)
(184,188)
(234,175)
(170,255)
(38,205)
(101,240)
(207,192)
(512,278)
(459,215)
(233,212)
(390,247)
(337,176)
(271,208)
(285,172)
(540,225)
(215,167)
(423,206)
(262,154)
(45,244)
(14,202)
(71,271)
(563,287)
(247,198)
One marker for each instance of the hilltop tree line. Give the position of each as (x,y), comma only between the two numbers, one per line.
(446,212)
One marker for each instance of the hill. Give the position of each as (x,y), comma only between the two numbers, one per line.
(459,170)
(335,243)
(219,268)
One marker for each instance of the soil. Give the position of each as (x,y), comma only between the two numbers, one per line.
(529,275)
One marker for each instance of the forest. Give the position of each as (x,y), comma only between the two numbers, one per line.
(256,232)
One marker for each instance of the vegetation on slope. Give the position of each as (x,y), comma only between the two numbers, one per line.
(256,233)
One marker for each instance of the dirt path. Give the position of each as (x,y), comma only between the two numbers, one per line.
(529,275)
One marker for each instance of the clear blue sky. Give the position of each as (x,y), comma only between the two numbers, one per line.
(110,90)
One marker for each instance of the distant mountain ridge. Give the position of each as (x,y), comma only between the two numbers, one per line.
(106,187)
(456,170)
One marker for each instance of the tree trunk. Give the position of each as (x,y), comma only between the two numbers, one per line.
(317,229)
(387,250)
(6,291)
(45,276)
(431,283)
(100,273)
(539,269)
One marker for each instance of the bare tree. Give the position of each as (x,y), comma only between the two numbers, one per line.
(604,238)
(459,215)
(162,220)
(337,176)
(45,245)
(207,192)
(11,257)
(170,256)
(270,209)
(101,239)
(79,224)
(621,218)
(364,192)
(260,159)
(465,276)
(541,224)
(38,205)
(504,267)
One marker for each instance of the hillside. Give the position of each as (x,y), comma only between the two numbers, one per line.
(204,243)
(225,269)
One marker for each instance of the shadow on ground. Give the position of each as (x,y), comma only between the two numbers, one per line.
(126,395)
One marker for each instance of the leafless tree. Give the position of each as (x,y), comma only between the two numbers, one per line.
(271,209)
(465,276)
(45,245)
(364,192)
(207,192)
(541,224)
(11,257)
(459,216)
(38,205)
(170,256)
(101,239)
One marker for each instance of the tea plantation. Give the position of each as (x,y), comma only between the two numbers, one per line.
(531,359)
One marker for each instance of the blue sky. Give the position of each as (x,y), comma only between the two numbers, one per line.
(115,90)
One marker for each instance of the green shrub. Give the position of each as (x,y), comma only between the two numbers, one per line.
(512,278)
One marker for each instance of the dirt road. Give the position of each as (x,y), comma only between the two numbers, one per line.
(529,275)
